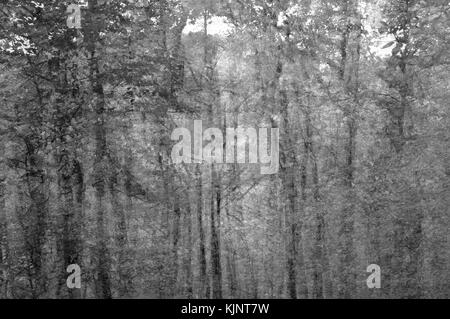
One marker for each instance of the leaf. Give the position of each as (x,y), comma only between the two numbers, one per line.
(387,45)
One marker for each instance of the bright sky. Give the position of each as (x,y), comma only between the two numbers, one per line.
(217,26)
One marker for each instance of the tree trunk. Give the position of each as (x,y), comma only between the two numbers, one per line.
(129,257)
(288,168)
(4,249)
(202,251)
(349,75)
(231,270)
(189,252)
(121,231)
(408,229)
(34,222)
(103,281)
(216,266)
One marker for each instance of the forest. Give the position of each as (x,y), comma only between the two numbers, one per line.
(92,93)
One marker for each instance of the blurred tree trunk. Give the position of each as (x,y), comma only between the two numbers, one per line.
(349,75)
(203,280)
(103,280)
(121,229)
(320,262)
(34,221)
(288,165)
(175,240)
(4,247)
(215,193)
(231,271)
(408,231)
(216,266)
(69,227)
(188,251)
(128,255)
